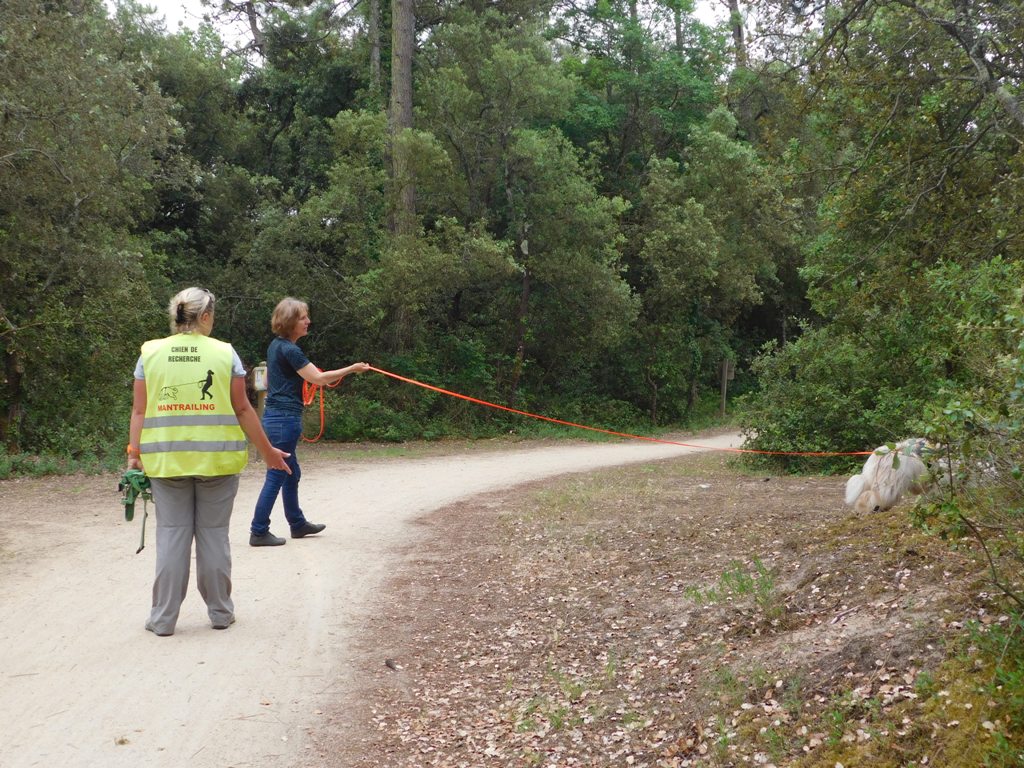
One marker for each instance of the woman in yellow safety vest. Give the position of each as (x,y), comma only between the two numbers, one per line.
(190,418)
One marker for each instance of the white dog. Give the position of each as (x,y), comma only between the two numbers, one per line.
(880,484)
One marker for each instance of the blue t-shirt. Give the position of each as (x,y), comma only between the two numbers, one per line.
(284,385)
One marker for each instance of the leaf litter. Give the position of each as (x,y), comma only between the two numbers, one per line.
(678,613)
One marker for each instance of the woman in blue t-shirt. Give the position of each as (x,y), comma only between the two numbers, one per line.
(287,367)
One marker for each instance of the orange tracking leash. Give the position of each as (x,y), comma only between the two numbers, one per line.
(309,393)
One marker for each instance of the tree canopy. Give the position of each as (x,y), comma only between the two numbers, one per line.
(591,210)
(585,208)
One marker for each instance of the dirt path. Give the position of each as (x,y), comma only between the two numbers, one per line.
(84,685)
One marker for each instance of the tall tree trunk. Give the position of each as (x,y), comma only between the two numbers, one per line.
(10,418)
(739,44)
(678,19)
(373,33)
(400,114)
(691,397)
(653,384)
(254,26)
(520,231)
(744,93)
(520,337)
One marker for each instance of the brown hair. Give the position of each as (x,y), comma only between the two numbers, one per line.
(286,315)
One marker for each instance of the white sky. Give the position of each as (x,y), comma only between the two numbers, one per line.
(190,12)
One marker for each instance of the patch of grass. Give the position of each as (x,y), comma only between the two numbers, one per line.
(532,757)
(738,581)
(728,690)
(955,721)
(794,695)
(1003,644)
(723,738)
(611,668)
(568,703)
(925,684)
(526,720)
(31,465)
(570,504)
(775,741)
(630,718)
(571,500)
(572,689)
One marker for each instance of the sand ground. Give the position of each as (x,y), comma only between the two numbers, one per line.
(84,685)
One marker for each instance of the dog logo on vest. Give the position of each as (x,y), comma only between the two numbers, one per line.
(170,392)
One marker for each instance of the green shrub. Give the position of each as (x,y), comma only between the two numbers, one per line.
(823,393)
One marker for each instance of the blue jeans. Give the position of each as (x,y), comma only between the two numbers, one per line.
(283,430)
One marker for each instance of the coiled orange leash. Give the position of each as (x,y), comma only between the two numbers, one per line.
(309,391)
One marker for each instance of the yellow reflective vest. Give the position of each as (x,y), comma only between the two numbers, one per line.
(190,427)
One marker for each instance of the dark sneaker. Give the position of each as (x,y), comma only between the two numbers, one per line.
(225,623)
(307,529)
(266,540)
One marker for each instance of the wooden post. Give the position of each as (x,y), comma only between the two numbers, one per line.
(259,383)
(726,371)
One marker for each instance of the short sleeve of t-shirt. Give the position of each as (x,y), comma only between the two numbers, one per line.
(284,384)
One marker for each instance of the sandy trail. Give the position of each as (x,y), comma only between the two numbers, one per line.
(84,685)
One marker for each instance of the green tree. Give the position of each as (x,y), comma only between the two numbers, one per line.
(644,82)
(207,195)
(713,234)
(81,138)
(309,75)
(921,163)
(676,337)
(572,304)
(481,83)
(492,97)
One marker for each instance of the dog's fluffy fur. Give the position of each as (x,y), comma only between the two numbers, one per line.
(880,485)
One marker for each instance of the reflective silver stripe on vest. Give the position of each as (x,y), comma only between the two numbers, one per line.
(200,446)
(154,422)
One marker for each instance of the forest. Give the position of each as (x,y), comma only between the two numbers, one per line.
(579,208)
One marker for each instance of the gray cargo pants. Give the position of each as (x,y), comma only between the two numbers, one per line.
(187,508)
